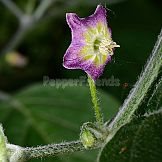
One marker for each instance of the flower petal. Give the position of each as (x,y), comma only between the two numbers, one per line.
(73,20)
(94,71)
(98,16)
(100,13)
(71,59)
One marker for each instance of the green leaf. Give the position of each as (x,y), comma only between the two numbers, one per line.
(41,114)
(138,141)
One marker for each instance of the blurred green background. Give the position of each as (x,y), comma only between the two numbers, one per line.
(46,113)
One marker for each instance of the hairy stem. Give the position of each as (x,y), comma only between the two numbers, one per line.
(96,106)
(52,150)
(156,97)
(140,89)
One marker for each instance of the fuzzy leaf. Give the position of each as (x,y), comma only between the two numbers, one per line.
(140,140)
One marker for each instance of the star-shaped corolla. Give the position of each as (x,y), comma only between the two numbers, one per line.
(92,46)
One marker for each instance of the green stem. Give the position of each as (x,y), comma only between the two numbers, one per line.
(140,89)
(52,150)
(96,106)
(30,7)
(3,149)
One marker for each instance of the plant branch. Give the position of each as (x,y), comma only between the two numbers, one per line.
(13,8)
(140,89)
(41,9)
(26,22)
(15,40)
(52,150)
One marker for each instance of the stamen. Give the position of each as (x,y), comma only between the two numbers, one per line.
(106,46)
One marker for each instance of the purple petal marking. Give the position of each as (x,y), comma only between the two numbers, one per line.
(73,20)
(96,72)
(100,13)
(71,59)
(76,27)
(98,16)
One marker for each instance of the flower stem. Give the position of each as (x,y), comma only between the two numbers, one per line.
(96,106)
(140,89)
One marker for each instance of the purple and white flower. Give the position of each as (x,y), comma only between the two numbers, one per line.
(92,46)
